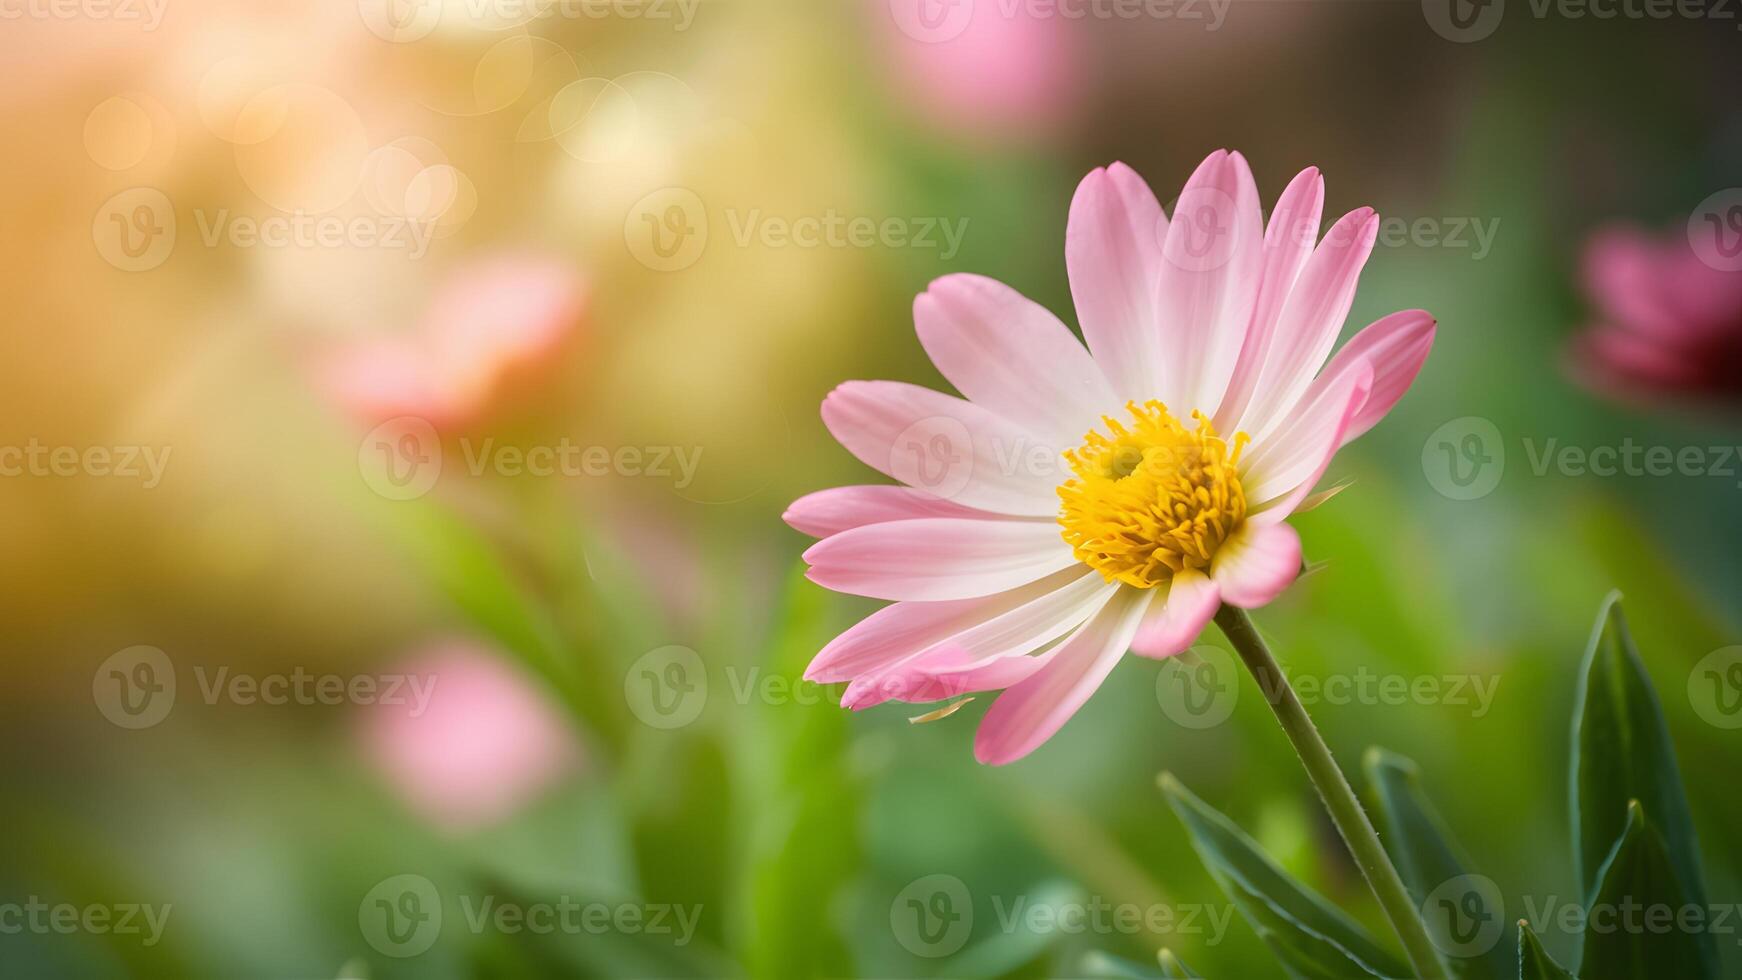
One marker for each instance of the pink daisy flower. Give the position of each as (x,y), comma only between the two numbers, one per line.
(1079,503)
(1670,325)
(484,744)
(494,319)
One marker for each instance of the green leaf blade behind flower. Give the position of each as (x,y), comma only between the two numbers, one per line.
(1534,963)
(1311,937)
(1428,860)
(1623,941)
(1621,754)
(803,833)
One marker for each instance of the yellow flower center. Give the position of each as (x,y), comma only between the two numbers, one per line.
(1152,500)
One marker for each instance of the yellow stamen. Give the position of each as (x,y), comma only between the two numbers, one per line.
(1154,499)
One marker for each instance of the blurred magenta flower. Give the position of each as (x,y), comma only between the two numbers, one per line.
(494,318)
(486,742)
(1669,325)
(1019,563)
(982,69)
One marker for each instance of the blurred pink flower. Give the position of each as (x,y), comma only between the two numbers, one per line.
(1669,325)
(983,69)
(496,317)
(481,745)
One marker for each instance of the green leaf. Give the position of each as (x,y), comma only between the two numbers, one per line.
(1534,963)
(803,839)
(1173,967)
(472,572)
(571,941)
(1310,936)
(1428,859)
(1622,753)
(1623,941)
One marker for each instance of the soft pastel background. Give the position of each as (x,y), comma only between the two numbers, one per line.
(541,154)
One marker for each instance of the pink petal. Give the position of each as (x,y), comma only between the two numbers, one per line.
(491,319)
(1210,270)
(1626,364)
(1028,714)
(1168,628)
(1256,563)
(1113,254)
(898,631)
(1283,470)
(937,558)
(993,654)
(837,509)
(1288,243)
(1395,346)
(945,446)
(1312,316)
(916,685)
(1009,354)
(1624,273)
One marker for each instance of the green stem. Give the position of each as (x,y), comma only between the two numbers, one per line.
(1352,823)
